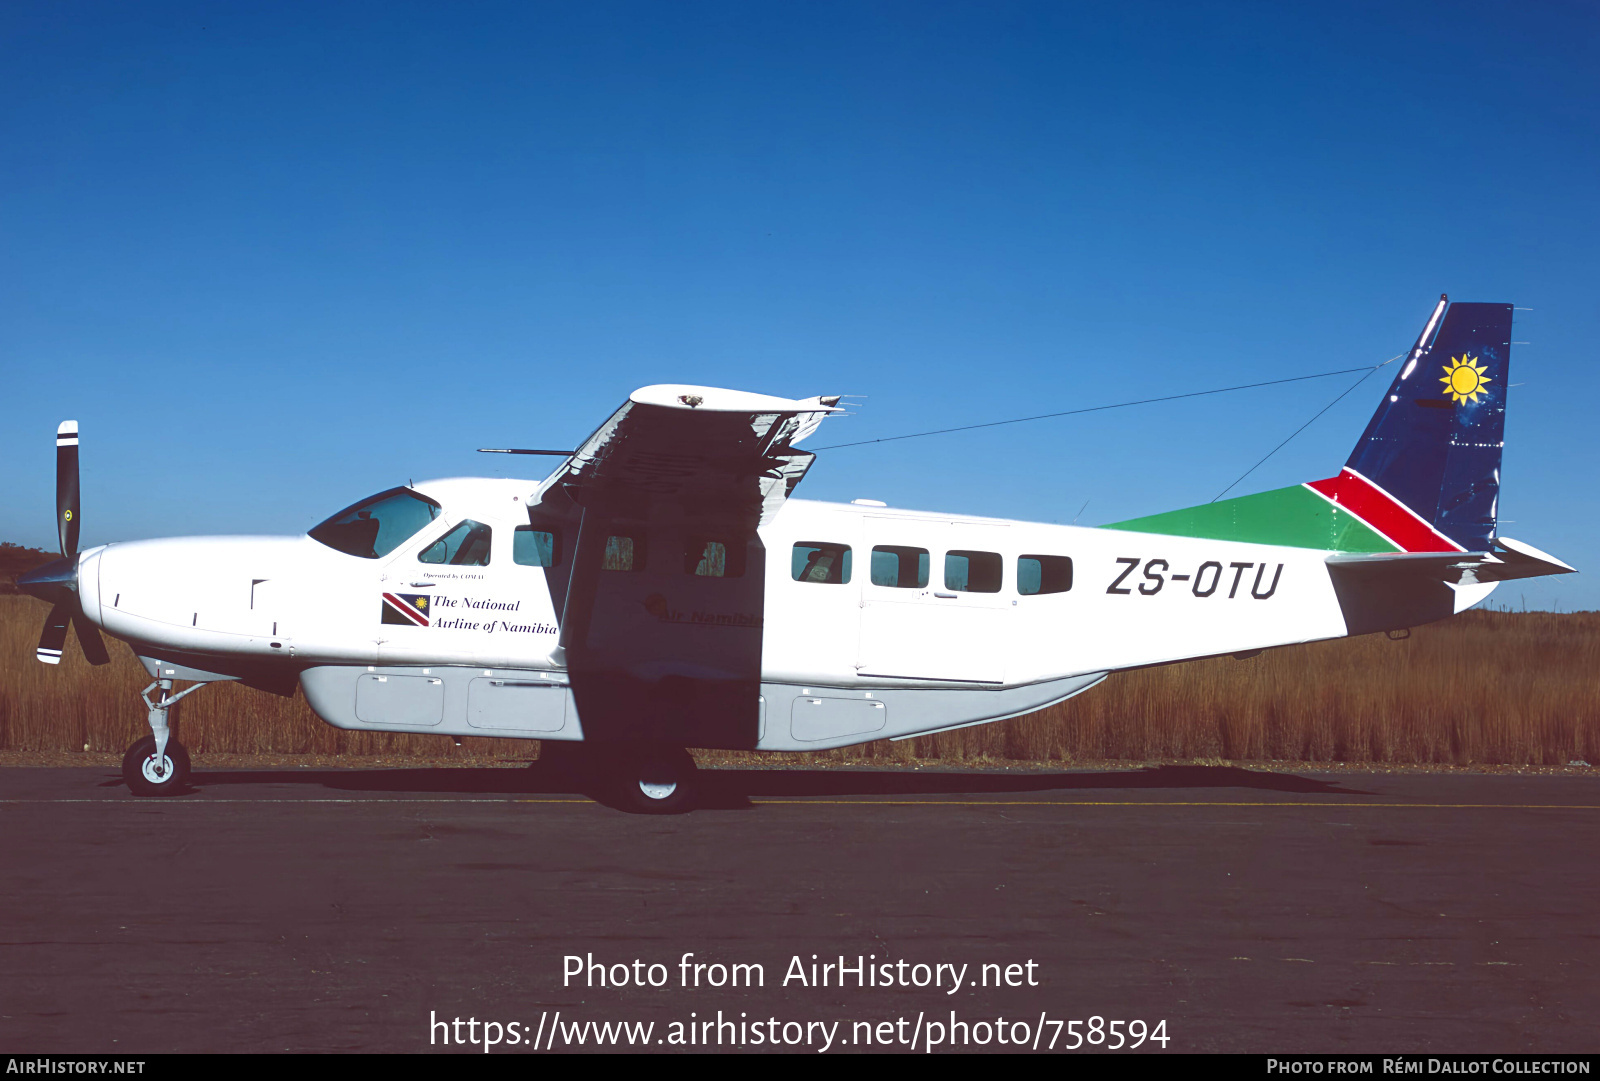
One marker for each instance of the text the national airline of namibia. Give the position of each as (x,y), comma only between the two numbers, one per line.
(458,622)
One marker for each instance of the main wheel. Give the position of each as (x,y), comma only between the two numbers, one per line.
(659,781)
(147,777)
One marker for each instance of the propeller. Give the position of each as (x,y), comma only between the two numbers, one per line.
(57,582)
(67,488)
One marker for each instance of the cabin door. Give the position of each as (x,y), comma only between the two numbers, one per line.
(935,601)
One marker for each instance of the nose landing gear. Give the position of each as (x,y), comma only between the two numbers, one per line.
(157,764)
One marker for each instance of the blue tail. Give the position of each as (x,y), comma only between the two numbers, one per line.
(1435,442)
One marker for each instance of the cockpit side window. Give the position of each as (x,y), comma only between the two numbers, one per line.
(377,526)
(532,547)
(467,545)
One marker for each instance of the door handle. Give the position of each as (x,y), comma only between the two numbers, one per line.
(421,585)
(947,596)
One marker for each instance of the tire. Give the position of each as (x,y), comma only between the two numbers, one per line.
(138,768)
(658,781)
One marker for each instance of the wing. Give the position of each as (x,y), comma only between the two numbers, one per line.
(662,600)
(692,450)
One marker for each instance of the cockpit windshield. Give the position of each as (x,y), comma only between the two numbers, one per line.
(377,526)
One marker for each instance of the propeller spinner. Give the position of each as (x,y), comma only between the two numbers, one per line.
(57,582)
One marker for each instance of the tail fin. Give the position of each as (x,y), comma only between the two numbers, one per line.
(1425,476)
(1426,472)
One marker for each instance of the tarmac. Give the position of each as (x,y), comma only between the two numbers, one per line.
(356,910)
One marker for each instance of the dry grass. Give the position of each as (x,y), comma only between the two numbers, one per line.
(1483,688)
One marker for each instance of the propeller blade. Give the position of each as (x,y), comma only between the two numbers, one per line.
(54,636)
(67,487)
(94,647)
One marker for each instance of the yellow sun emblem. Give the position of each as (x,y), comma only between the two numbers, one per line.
(1464,378)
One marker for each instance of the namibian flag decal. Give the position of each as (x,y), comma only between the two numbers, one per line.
(408,609)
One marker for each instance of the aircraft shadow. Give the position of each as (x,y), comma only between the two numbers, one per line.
(728,789)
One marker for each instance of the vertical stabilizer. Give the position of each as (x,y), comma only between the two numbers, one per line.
(1425,476)
(1434,444)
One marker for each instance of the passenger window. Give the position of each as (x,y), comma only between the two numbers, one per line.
(712,558)
(900,568)
(624,552)
(467,545)
(820,561)
(973,572)
(1043,574)
(532,547)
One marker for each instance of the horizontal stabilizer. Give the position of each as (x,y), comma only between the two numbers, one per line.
(1519,560)
(1510,559)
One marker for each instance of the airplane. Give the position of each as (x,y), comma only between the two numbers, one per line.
(662,589)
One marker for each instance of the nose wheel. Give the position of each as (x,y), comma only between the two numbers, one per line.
(149,775)
(158,765)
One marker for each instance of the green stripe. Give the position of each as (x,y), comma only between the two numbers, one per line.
(1295,517)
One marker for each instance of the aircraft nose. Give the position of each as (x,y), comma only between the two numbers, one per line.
(51,580)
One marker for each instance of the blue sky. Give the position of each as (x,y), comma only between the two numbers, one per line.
(275,257)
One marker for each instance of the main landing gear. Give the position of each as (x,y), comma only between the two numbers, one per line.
(157,764)
(656,781)
(644,780)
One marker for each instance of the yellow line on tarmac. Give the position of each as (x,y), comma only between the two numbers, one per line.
(1320,804)
(145,801)
(1196,803)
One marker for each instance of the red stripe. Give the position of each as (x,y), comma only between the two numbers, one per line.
(416,617)
(1383,512)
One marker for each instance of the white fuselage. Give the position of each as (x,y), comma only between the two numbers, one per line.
(1135,599)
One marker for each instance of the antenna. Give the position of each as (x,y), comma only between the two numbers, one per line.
(519,450)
